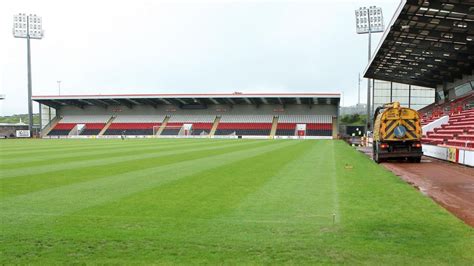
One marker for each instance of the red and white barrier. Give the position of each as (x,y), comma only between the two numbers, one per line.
(452,154)
(435,124)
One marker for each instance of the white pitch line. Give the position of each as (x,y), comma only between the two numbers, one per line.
(334,185)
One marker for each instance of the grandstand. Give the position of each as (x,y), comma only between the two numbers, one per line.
(237,115)
(431,44)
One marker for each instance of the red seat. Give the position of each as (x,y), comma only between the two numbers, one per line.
(174,124)
(462,119)
(458,123)
(469,111)
(126,126)
(466,137)
(202,126)
(440,136)
(456,116)
(448,131)
(433,141)
(95,125)
(319,126)
(463,127)
(65,126)
(461,143)
(286,126)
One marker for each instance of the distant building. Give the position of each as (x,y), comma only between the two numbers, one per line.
(415,97)
(8,130)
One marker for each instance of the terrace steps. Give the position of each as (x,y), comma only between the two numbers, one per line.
(107,125)
(163,125)
(50,126)
(274,127)
(214,126)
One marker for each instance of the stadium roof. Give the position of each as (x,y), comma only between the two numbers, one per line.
(428,42)
(188,99)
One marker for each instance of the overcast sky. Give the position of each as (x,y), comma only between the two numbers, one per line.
(144,46)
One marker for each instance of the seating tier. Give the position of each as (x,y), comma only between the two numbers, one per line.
(131,128)
(247,129)
(92,129)
(62,129)
(458,132)
(259,125)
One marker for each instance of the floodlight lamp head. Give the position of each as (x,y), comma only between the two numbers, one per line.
(27,26)
(369,20)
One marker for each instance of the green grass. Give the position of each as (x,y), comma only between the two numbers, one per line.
(215,201)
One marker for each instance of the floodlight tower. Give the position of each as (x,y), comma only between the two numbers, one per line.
(28,27)
(369,20)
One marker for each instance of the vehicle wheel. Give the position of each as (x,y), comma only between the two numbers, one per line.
(414,159)
(376,156)
(379,160)
(373,150)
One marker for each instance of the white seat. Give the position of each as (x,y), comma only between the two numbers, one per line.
(246,119)
(304,119)
(192,118)
(139,119)
(83,119)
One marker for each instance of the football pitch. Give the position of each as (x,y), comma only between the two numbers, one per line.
(182,201)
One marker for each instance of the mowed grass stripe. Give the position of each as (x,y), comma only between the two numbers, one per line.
(248,167)
(176,214)
(385,220)
(115,145)
(73,145)
(62,144)
(47,156)
(93,153)
(76,145)
(21,145)
(300,192)
(33,182)
(206,194)
(71,198)
(102,161)
(273,216)
(285,221)
(51,144)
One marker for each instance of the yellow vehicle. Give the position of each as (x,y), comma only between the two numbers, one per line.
(397,133)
